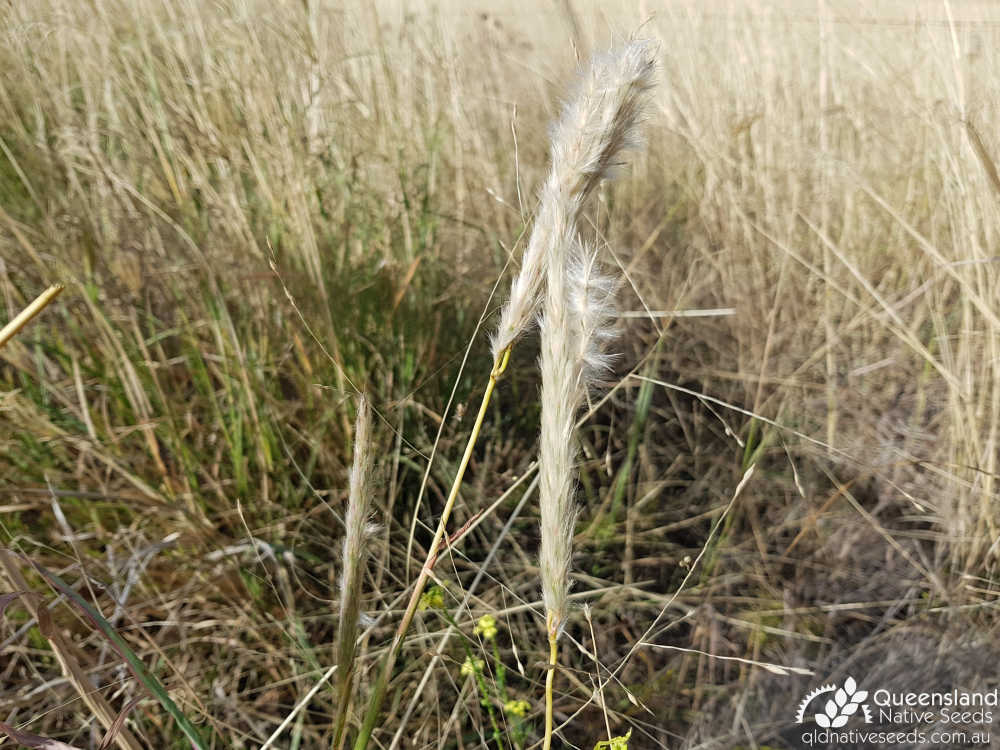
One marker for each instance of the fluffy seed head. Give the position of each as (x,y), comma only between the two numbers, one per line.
(601,119)
(357,532)
(359,500)
(579,305)
(591,299)
(598,123)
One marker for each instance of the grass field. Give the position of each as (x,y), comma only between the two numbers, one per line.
(260,209)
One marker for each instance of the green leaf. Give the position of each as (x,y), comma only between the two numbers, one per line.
(138,668)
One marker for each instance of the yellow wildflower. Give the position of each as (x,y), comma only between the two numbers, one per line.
(472,666)
(486,627)
(516,708)
(615,743)
(433,598)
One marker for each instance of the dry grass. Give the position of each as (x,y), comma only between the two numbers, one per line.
(175,442)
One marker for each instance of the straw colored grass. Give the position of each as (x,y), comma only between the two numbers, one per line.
(808,286)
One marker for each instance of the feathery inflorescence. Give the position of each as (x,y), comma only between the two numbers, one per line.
(591,299)
(561,395)
(598,123)
(576,325)
(357,532)
(357,529)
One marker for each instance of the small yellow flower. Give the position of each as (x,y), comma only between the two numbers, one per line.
(516,708)
(615,743)
(472,666)
(433,598)
(486,627)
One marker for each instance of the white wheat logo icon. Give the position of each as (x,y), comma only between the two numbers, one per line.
(841,706)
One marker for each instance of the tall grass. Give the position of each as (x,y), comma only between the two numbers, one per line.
(808,285)
(599,122)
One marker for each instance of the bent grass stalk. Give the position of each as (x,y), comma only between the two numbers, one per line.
(378,695)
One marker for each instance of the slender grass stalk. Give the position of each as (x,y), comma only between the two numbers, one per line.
(550,678)
(378,694)
(597,125)
(356,535)
(20,320)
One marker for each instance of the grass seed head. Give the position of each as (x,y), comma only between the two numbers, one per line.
(599,122)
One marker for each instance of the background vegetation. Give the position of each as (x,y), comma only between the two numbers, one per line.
(809,241)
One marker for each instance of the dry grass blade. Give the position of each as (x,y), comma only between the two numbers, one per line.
(119,723)
(33,740)
(44,743)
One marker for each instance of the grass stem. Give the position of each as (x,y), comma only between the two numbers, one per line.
(549,682)
(21,319)
(375,704)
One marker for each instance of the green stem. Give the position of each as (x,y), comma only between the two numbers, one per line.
(375,704)
(549,682)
